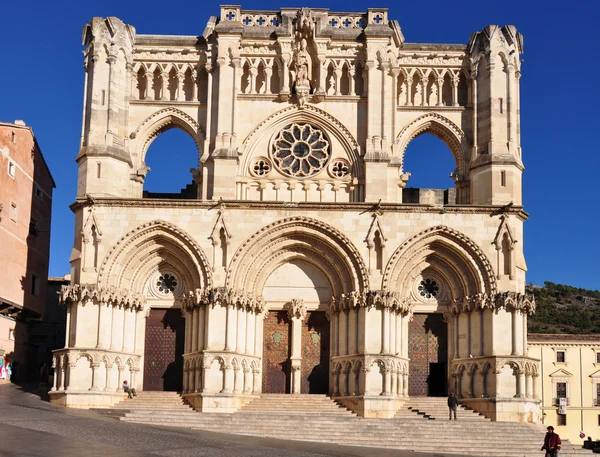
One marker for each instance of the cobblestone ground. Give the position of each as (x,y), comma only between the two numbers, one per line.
(32,427)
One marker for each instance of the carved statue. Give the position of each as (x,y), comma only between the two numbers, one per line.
(303,63)
(331,86)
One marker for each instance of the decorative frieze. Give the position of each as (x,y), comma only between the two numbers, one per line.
(502,300)
(84,293)
(223,296)
(370,299)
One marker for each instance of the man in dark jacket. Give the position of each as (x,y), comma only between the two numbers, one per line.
(452,405)
(552,443)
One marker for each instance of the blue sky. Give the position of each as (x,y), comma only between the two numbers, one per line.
(42,83)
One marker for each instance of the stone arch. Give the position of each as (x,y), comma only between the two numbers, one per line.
(298,238)
(443,128)
(161,121)
(450,253)
(131,260)
(272,124)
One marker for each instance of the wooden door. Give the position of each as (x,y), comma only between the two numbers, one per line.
(276,353)
(163,351)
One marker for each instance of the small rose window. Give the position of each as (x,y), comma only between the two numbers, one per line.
(428,288)
(166,283)
(261,167)
(301,150)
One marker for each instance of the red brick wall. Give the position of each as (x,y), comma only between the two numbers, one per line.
(276,353)
(427,344)
(315,353)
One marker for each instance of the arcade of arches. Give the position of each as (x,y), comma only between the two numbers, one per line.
(299,262)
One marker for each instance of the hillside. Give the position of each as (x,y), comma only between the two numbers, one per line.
(564,309)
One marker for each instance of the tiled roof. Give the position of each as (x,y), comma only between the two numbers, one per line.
(562,337)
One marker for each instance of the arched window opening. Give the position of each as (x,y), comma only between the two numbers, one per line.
(245,86)
(447,90)
(275,78)
(506,254)
(330,82)
(430,164)
(378,245)
(202,84)
(417,90)
(359,82)
(432,90)
(401,89)
(463,90)
(261,85)
(345,81)
(170,157)
(157,84)
(188,86)
(142,84)
(173,83)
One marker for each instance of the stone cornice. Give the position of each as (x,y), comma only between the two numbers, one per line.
(85,293)
(299,206)
(222,296)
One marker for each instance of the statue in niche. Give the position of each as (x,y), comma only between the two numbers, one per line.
(303,73)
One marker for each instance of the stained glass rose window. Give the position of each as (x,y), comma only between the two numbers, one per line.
(301,150)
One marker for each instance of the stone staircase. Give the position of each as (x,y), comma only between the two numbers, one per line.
(421,425)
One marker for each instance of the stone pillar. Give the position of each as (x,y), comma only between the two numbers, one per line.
(194,345)
(385,334)
(534,393)
(520,383)
(120,385)
(256,382)
(185,379)
(107,386)
(268,75)
(55,366)
(514,331)
(231,328)
(191,378)
(180,80)
(198,377)
(247,381)
(399,380)
(103,330)
(94,367)
(148,76)
(405,384)
(338,80)
(164,91)
(195,85)
(409,83)
(238,380)
(336,383)
(440,86)
(297,314)
(205,368)
(455,81)
(351,74)
(227,379)
(528,385)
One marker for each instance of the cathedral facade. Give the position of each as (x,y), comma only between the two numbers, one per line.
(299,260)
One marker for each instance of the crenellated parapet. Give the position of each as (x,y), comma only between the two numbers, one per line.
(81,294)
(509,301)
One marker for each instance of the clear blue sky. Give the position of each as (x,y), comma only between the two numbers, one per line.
(42,75)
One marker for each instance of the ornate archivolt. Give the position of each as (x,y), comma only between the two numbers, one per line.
(142,252)
(160,121)
(298,238)
(450,254)
(444,129)
(307,115)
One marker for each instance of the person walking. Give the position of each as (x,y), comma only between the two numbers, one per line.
(452,405)
(552,443)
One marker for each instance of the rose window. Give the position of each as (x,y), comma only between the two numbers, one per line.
(166,283)
(428,288)
(301,150)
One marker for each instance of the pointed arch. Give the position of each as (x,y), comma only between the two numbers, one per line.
(450,254)
(161,121)
(445,130)
(311,114)
(134,257)
(298,238)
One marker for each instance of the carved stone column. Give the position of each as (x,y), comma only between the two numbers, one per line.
(94,367)
(180,81)
(107,386)
(297,314)
(164,92)
(55,366)
(120,383)
(256,382)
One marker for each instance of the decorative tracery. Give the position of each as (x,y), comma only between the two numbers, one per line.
(301,150)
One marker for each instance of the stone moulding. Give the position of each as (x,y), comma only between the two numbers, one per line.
(370,299)
(223,296)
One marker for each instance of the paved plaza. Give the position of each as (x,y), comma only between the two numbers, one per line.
(32,427)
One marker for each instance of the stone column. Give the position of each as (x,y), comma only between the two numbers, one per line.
(205,368)
(148,76)
(195,83)
(514,331)
(534,393)
(198,377)
(164,92)
(520,383)
(94,367)
(120,385)
(227,379)
(455,81)
(231,316)
(440,86)
(107,386)
(409,83)
(256,382)
(338,80)
(297,314)
(253,74)
(238,380)
(194,335)
(385,334)
(55,366)
(424,81)
(185,380)
(400,381)
(180,81)
(351,74)
(405,384)
(103,331)
(528,386)
(247,381)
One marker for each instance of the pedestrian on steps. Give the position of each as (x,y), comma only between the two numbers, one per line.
(452,405)
(552,443)
(130,391)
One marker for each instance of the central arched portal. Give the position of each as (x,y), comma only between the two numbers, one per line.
(298,280)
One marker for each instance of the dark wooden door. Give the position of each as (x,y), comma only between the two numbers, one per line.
(315,353)
(427,351)
(163,353)
(276,353)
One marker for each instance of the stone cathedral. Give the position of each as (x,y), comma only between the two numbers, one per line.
(300,260)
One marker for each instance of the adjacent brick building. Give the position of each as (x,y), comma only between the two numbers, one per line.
(25,211)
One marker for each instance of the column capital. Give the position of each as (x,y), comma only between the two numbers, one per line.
(297,309)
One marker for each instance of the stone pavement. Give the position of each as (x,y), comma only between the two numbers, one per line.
(32,427)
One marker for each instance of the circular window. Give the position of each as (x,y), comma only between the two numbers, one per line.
(300,150)
(339,168)
(428,288)
(166,283)
(261,167)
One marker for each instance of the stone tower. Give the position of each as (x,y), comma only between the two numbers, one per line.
(300,262)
